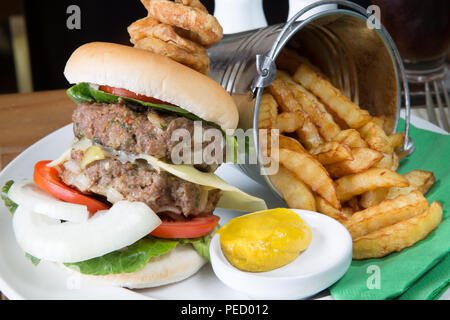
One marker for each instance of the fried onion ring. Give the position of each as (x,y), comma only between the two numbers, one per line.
(180,30)
(198,62)
(206,26)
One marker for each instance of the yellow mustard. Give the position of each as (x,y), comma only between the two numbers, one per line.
(264,240)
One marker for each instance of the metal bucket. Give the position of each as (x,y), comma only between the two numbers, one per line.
(364,63)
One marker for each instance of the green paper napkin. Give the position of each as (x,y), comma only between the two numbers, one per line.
(391,276)
(432,285)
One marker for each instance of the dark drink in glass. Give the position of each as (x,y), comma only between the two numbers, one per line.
(421,31)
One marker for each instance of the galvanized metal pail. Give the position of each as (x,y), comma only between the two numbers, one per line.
(363,62)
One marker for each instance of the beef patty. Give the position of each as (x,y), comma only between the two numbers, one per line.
(121,128)
(166,194)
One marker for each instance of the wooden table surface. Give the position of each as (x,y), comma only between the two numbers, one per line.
(27,118)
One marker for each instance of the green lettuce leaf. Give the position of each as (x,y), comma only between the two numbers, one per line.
(136,256)
(201,244)
(10,205)
(128,260)
(35,261)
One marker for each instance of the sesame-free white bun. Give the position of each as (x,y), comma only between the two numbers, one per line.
(152,75)
(173,266)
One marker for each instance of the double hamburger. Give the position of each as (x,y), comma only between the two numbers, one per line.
(130,104)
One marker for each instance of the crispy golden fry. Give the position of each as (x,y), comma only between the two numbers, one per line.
(387,124)
(386,213)
(323,206)
(308,133)
(348,111)
(268,110)
(284,96)
(421,180)
(418,180)
(313,107)
(350,137)
(388,161)
(379,121)
(398,236)
(376,138)
(363,159)
(395,192)
(291,144)
(332,152)
(397,139)
(356,184)
(373,197)
(289,121)
(296,194)
(311,172)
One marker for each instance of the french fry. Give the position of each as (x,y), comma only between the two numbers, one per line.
(350,137)
(373,197)
(396,140)
(388,161)
(268,110)
(363,159)
(314,108)
(418,180)
(291,144)
(345,109)
(284,96)
(311,172)
(376,138)
(323,206)
(296,194)
(386,213)
(379,121)
(356,184)
(421,180)
(308,133)
(332,152)
(289,121)
(398,236)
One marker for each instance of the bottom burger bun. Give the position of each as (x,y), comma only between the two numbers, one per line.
(173,266)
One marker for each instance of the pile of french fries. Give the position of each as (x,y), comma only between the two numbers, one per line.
(337,159)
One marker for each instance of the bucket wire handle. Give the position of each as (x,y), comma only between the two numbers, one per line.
(266,68)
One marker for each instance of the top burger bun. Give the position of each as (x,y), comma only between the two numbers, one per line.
(145,73)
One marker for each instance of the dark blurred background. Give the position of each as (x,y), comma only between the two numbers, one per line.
(38,27)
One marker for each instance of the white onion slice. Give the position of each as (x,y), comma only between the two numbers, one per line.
(122,225)
(26,194)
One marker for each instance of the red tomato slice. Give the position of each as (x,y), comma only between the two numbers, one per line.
(47,179)
(129,94)
(193,228)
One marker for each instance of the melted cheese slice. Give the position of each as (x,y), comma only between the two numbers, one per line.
(232,198)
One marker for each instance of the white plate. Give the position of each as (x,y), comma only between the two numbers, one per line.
(325,261)
(19,279)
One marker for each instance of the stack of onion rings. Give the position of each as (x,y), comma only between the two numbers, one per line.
(181,30)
